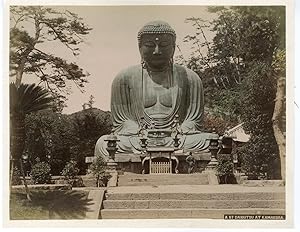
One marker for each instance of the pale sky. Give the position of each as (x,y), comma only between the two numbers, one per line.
(112,44)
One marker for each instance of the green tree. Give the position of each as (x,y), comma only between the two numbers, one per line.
(239,76)
(52,136)
(88,126)
(91,101)
(32,26)
(24,99)
(221,92)
(215,123)
(261,152)
(58,138)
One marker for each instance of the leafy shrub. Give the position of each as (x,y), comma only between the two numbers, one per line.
(98,170)
(77,182)
(103,179)
(16,177)
(70,171)
(40,173)
(225,170)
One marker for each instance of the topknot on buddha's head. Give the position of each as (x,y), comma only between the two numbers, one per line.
(156,27)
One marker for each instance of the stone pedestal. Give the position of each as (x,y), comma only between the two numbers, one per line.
(111,168)
(212,177)
(212,164)
(211,171)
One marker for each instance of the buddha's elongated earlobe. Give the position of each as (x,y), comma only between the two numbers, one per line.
(171,62)
(143,63)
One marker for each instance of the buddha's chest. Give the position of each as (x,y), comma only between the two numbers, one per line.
(158,95)
(156,92)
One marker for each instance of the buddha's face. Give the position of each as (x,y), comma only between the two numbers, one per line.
(157,50)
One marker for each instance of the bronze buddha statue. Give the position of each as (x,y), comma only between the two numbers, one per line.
(154,94)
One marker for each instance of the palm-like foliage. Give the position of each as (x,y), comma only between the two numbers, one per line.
(28,98)
(24,99)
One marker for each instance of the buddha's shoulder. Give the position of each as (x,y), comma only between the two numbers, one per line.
(190,73)
(130,71)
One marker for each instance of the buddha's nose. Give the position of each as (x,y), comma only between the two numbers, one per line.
(156,50)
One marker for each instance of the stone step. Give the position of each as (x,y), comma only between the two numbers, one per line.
(196,196)
(183,213)
(162,179)
(203,204)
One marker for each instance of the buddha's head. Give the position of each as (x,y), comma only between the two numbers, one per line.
(157,44)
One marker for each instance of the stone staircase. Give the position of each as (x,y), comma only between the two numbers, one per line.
(136,202)
(162,179)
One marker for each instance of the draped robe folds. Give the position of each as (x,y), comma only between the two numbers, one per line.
(130,91)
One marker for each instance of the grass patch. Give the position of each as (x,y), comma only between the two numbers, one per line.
(45,204)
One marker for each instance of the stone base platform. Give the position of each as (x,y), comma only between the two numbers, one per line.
(133,162)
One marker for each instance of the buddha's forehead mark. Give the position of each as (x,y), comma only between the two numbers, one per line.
(157,37)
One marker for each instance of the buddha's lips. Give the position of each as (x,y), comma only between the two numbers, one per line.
(159,58)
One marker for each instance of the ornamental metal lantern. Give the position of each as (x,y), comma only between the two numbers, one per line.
(176,141)
(143,142)
(214,146)
(177,131)
(112,145)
